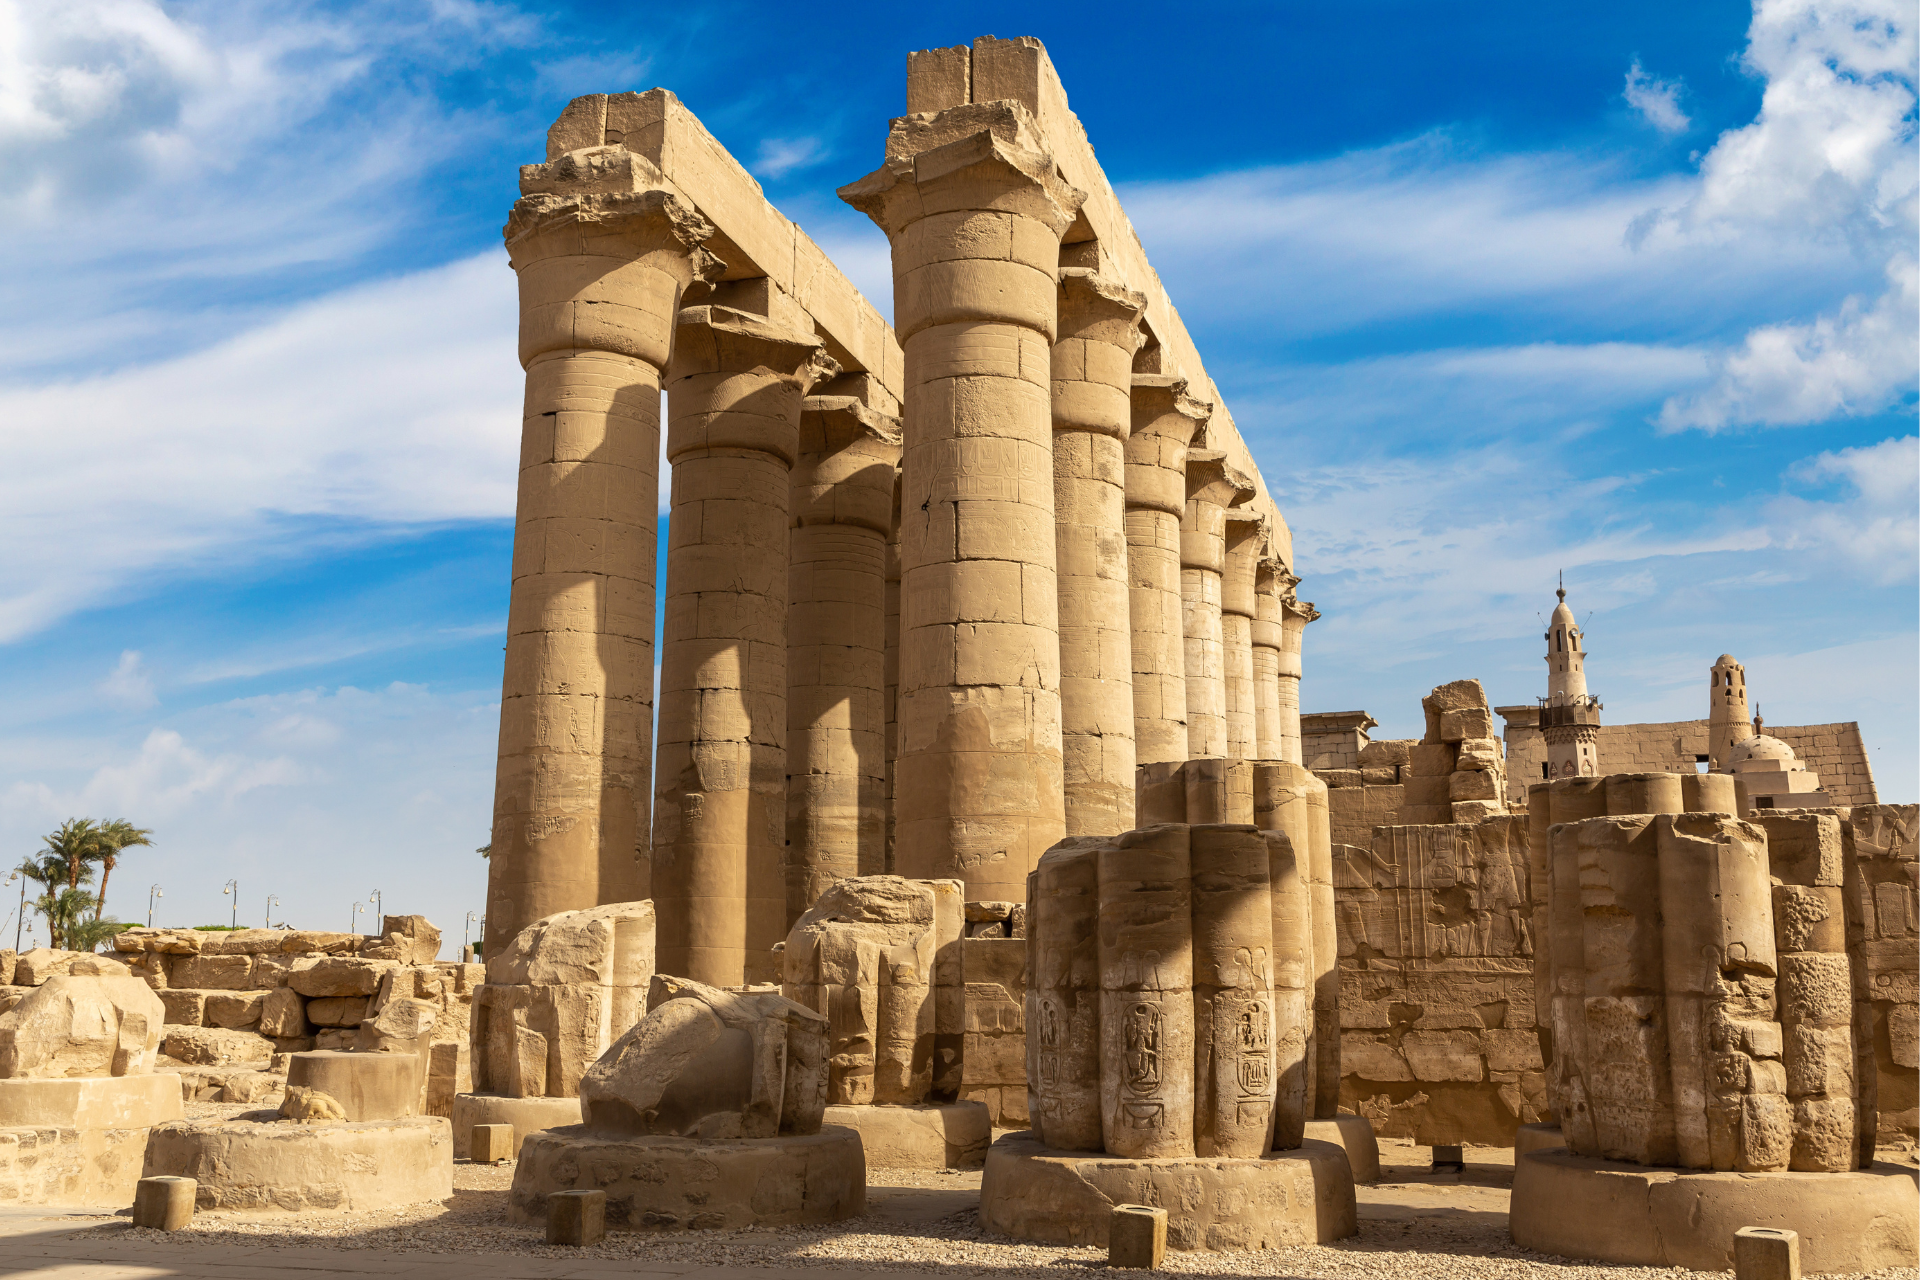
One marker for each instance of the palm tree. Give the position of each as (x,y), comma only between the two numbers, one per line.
(62,903)
(111,838)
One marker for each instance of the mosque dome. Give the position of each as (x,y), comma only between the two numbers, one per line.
(1763,749)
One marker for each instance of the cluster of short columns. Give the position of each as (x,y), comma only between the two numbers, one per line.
(599,289)
(733,432)
(975,228)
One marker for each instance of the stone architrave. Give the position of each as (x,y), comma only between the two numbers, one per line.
(603,256)
(864,958)
(1246,538)
(1268,639)
(1145,947)
(1165,418)
(836,651)
(720,781)
(1295,614)
(1092,372)
(1815,992)
(1213,486)
(974,208)
(556,997)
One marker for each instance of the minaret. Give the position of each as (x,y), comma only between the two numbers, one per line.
(1569,715)
(1728,721)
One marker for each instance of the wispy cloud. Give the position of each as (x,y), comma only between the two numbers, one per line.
(129,684)
(1658,101)
(778,157)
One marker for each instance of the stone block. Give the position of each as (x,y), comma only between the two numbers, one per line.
(1426,815)
(216,1047)
(214,972)
(1466,723)
(250,1086)
(1388,753)
(1482,754)
(1429,792)
(337,1011)
(235,1009)
(1473,812)
(1137,1236)
(1456,695)
(82,1026)
(164,1203)
(490,1143)
(576,1218)
(1766,1253)
(368,1086)
(319,942)
(1472,784)
(338,976)
(183,1007)
(1385,776)
(952,1135)
(524,1116)
(1340,777)
(243,1164)
(283,1014)
(1431,760)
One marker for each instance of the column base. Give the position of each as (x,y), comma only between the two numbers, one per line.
(952,1135)
(274,1166)
(1304,1196)
(528,1116)
(1605,1211)
(1353,1135)
(685,1184)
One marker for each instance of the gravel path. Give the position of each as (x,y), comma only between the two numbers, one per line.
(1412,1225)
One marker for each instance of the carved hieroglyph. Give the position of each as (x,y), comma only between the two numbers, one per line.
(870,957)
(1436,983)
(1166,1005)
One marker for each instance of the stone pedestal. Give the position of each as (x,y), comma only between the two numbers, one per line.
(1576,1207)
(281,1166)
(368,1086)
(1302,1196)
(527,1116)
(952,1135)
(720,783)
(1353,1135)
(684,1184)
(80,1141)
(600,278)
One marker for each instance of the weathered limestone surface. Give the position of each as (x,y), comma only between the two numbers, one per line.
(1213,486)
(604,254)
(1091,378)
(1164,420)
(843,514)
(79,1140)
(1883,931)
(276,1167)
(1437,989)
(719,834)
(994,1059)
(558,996)
(974,208)
(81,1026)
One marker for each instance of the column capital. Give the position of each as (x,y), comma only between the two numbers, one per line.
(623,224)
(980,157)
(710,339)
(1212,480)
(1298,613)
(1099,309)
(1161,406)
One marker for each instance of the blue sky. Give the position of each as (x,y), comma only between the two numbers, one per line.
(1493,291)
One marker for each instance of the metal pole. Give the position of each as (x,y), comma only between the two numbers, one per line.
(21,922)
(153,891)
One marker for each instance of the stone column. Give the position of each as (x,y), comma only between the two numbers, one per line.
(1233,947)
(1292,968)
(836,657)
(1092,369)
(1164,420)
(1246,536)
(600,279)
(1063,996)
(975,226)
(1267,638)
(719,831)
(1212,487)
(1145,938)
(1295,614)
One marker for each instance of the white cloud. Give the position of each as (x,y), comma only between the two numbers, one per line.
(395,402)
(1831,156)
(129,684)
(1656,100)
(1873,527)
(778,157)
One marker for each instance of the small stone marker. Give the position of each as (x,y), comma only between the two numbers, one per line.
(1449,1160)
(490,1143)
(576,1217)
(164,1203)
(1766,1253)
(1137,1236)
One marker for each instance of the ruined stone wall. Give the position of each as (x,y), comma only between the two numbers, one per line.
(1437,1039)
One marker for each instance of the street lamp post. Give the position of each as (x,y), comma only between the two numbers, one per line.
(273,901)
(379,907)
(466,929)
(353,921)
(153,891)
(233,887)
(20,923)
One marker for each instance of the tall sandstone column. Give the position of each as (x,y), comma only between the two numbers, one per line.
(836,650)
(1164,420)
(1245,538)
(720,822)
(601,277)
(975,224)
(1212,487)
(1092,373)
(1268,638)
(1295,614)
